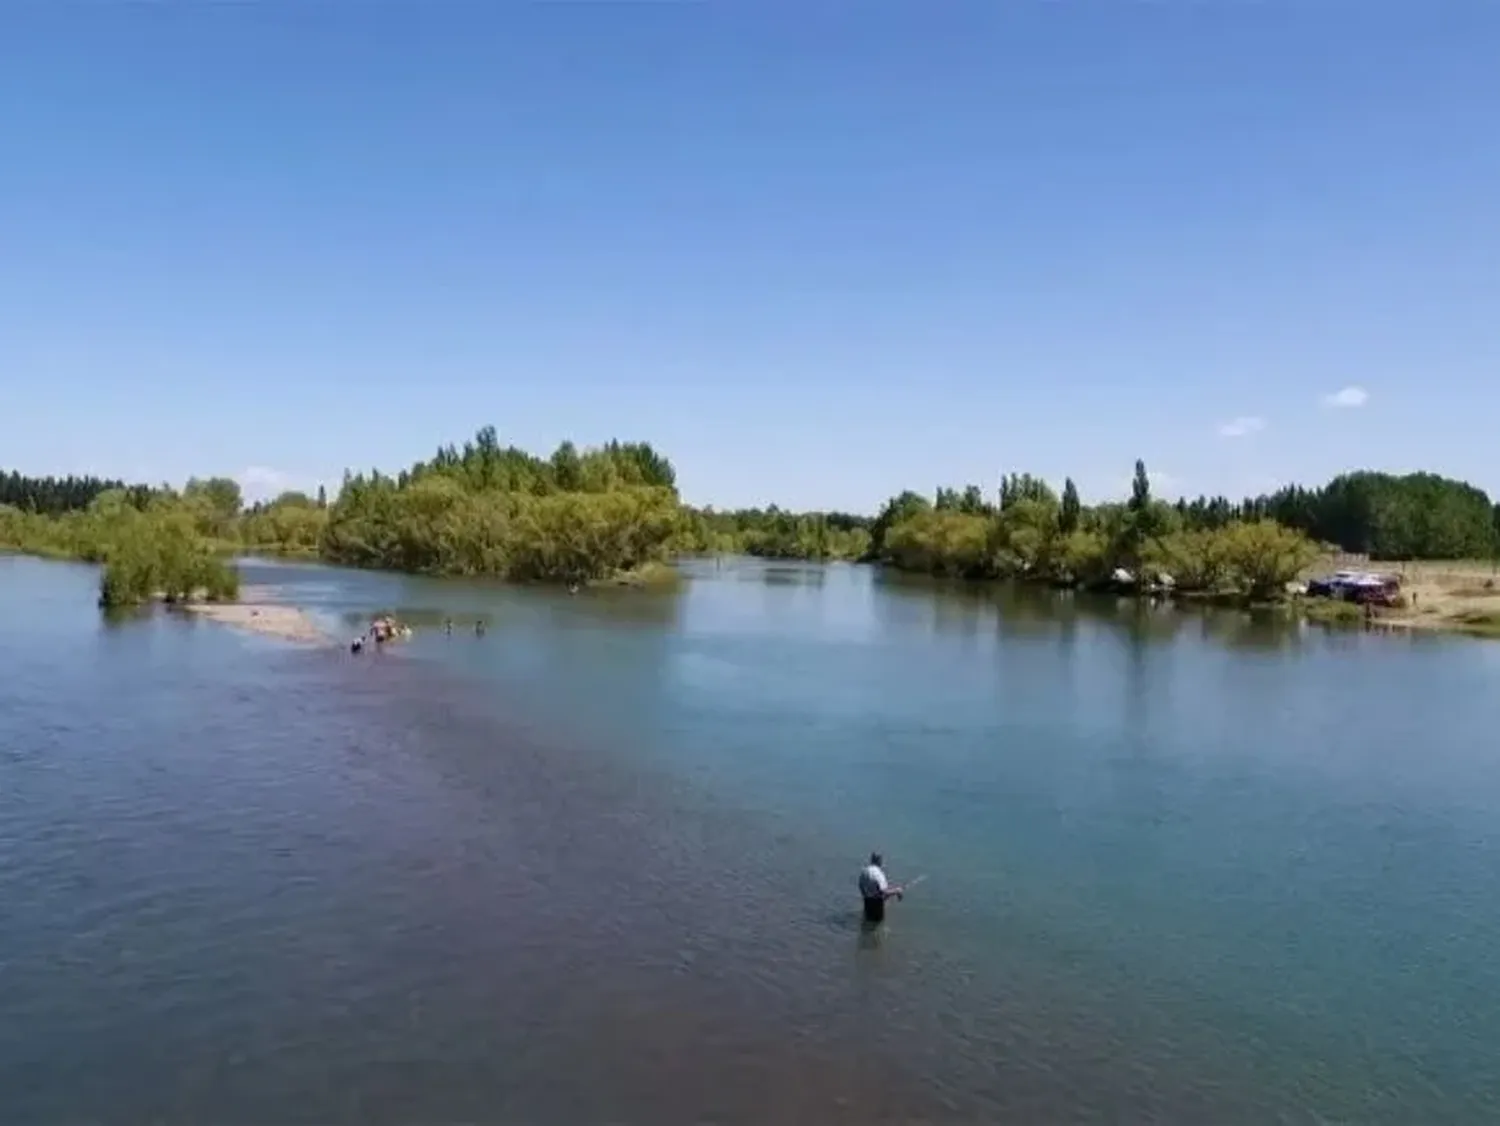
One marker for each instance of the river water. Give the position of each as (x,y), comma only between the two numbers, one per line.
(598,864)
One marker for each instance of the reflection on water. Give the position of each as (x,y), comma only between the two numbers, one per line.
(116,617)
(801,574)
(1019,611)
(660,607)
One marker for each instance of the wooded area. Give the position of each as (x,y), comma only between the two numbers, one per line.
(582,515)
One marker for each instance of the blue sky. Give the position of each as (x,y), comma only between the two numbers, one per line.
(815,252)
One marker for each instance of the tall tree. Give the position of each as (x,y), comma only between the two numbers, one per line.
(52,496)
(567,469)
(1140,488)
(1072,508)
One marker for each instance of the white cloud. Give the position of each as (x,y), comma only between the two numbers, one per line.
(260,483)
(1347,397)
(1242,427)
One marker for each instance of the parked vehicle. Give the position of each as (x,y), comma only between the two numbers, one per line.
(1361,587)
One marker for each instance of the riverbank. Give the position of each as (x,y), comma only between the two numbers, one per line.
(1456,596)
(1449,596)
(1452,596)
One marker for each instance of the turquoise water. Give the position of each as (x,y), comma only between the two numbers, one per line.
(601,860)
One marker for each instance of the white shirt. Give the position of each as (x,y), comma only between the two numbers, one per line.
(872,882)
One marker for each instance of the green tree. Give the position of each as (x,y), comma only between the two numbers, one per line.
(51,496)
(1145,521)
(1082,557)
(1196,560)
(1265,556)
(1140,488)
(493,510)
(896,510)
(157,554)
(567,469)
(941,542)
(1416,516)
(215,504)
(1072,508)
(1018,487)
(1023,535)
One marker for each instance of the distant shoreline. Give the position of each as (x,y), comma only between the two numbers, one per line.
(1455,597)
(1459,597)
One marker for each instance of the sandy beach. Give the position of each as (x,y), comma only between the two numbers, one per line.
(269,619)
(1459,596)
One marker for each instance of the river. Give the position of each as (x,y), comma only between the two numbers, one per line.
(599,863)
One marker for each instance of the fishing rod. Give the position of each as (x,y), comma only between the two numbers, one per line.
(901,889)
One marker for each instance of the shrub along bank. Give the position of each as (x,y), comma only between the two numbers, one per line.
(598,514)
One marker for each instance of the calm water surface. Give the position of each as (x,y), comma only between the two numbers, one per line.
(599,864)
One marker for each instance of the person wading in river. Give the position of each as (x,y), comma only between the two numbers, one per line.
(875,889)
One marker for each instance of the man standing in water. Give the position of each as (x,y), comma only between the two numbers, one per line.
(875,889)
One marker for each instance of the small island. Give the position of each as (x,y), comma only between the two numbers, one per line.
(286,623)
(612,515)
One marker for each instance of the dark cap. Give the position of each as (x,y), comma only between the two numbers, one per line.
(876,859)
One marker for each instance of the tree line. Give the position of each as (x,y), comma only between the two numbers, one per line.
(52,496)
(1254,546)
(153,543)
(580,515)
(775,533)
(1032,532)
(1384,516)
(1415,516)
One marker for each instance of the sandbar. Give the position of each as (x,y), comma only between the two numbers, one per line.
(285,622)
